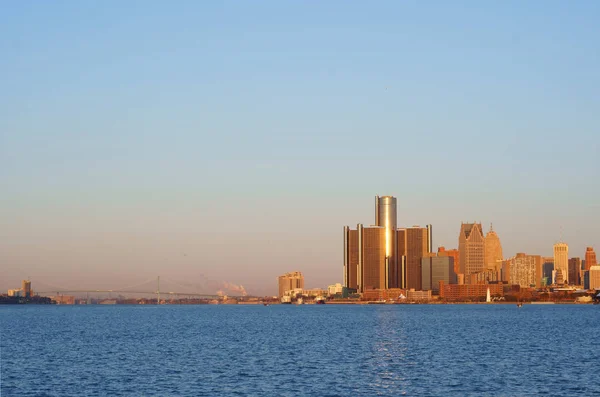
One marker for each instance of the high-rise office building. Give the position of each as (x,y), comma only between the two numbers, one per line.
(372,258)
(290,281)
(575,271)
(386,217)
(453,253)
(590,258)
(351,252)
(561,261)
(493,251)
(401,244)
(378,257)
(471,247)
(417,247)
(436,269)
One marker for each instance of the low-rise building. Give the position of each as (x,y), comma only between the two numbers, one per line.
(63,299)
(335,289)
(469,291)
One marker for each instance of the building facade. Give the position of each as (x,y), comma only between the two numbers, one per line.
(523,270)
(417,247)
(290,281)
(435,269)
(454,254)
(594,277)
(471,247)
(350,258)
(575,271)
(493,251)
(561,261)
(386,217)
(372,269)
(590,258)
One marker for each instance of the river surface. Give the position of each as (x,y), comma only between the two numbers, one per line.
(282,350)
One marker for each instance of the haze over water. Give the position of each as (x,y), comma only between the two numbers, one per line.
(232,141)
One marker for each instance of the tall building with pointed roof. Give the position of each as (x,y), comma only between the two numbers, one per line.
(493,251)
(471,247)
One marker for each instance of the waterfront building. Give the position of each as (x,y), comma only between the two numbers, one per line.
(471,248)
(484,277)
(414,295)
(401,244)
(453,292)
(64,299)
(371,253)
(594,277)
(575,271)
(26,287)
(493,251)
(350,258)
(335,289)
(15,292)
(386,217)
(372,261)
(590,258)
(417,247)
(290,281)
(561,260)
(435,269)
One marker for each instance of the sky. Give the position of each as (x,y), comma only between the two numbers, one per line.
(232,140)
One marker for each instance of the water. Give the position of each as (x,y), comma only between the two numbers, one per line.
(280,350)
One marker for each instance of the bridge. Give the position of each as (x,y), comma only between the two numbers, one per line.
(176,289)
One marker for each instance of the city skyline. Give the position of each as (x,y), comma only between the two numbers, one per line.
(233,142)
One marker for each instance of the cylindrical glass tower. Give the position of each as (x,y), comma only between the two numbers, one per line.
(385,216)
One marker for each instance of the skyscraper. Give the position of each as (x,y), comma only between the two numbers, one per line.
(417,246)
(442,251)
(350,258)
(590,258)
(436,269)
(371,258)
(561,260)
(594,277)
(471,248)
(385,216)
(575,271)
(401,244)
(493,251)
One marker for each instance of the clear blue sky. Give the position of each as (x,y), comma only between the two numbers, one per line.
(235,139)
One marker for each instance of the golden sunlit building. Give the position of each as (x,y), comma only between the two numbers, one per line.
(561,262)
(371,258)
(493,251)
(590,258)
(471,247)
(417,247)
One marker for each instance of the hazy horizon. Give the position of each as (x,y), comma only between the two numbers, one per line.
(232,141)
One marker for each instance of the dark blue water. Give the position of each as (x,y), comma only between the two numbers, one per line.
(427,350)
